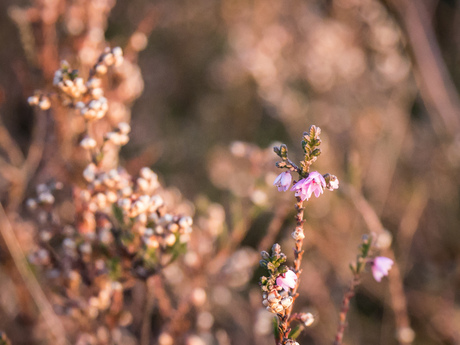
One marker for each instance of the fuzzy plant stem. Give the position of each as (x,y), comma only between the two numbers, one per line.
(298,253)
(344,311)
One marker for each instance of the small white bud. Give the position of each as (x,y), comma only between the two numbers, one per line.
(286,302)
(44,104)
(111,197)
(307,319)
(46,198)
(109,59)
(85,248)
(117,51)
(298,234)
(142,184)
(89,174)
(97,92)
(31,204)
(101,69)
(88,143)
(170,240)
(32,100)
(146,173)
(124,127)
(185,222)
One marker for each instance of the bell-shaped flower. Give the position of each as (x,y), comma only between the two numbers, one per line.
(283,181)
(380,267)
(314,183)
(333,183)
(287,280)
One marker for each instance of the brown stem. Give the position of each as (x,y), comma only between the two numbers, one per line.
(344,311)
(298,253)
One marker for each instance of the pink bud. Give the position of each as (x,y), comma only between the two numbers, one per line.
(283,181)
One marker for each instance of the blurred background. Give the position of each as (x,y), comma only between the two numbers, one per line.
(211,86)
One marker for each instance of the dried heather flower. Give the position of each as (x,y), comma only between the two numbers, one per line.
(380,267)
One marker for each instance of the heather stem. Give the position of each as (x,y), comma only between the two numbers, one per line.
(298,253)
(344,311)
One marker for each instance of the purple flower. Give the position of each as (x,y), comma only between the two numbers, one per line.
(283,181)
(287,280)
(314,183)
(380,267)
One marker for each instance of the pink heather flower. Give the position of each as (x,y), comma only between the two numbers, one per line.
(314,183)
(287,280)
(380,267)
(283,181)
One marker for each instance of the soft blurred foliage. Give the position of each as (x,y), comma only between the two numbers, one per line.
(222,82)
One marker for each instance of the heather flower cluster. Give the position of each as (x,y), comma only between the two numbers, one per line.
(309,183)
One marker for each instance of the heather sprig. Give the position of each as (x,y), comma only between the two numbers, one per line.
(280,287)
(379,265)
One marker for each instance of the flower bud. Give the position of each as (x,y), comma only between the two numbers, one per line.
(88,143)
(286,302)
(307,319)
(276,249)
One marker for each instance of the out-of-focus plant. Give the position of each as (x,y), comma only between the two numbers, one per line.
(380,266)
(123,230)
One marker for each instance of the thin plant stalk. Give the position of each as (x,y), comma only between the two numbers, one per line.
(344,310)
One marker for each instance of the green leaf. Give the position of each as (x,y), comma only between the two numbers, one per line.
(283,151)
(265,255)
(352,268)
(316,152)
(312,132)
(295,332)
(118,213)
(276,330)
(281,164)
(271,267)
(283,269)
(114,268)
(263,263)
